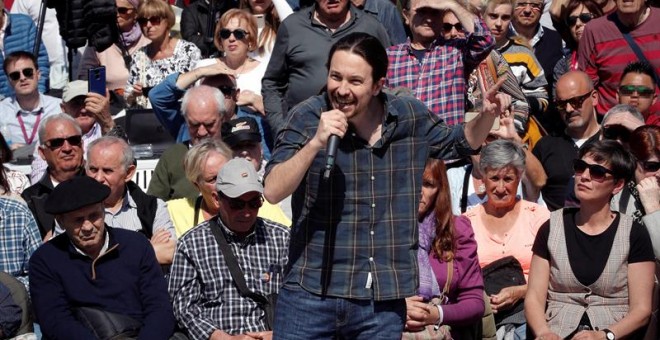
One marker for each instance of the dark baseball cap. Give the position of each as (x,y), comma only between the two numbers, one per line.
(240,130)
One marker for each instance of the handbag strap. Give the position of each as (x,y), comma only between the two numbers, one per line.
(232,264)
(450,274)
(633,45)
(464,192)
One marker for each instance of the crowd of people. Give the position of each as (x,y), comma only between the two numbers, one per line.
(397,169)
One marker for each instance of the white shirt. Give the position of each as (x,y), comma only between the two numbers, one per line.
(10,109)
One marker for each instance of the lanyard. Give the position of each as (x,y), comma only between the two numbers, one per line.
(28,140)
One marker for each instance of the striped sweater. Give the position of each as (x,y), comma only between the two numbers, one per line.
(529,74)
(604,53)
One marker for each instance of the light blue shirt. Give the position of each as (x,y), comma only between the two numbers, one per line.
(10,109)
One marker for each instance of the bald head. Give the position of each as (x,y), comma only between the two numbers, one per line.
(575,79)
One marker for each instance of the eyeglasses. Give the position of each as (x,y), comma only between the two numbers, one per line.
(584,18)
(153,20)
(642,91)
(228,91)
(238,33)
(650,166)
(576,102)
(55,143)
(27,72)
(534,5)
(597,172)
(447,26)
(616,132)
(239,204)
(124,10)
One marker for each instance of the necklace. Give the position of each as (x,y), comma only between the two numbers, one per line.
(239,70)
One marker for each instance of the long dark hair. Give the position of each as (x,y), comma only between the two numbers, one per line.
(366,46)
(5,156)
(444,246)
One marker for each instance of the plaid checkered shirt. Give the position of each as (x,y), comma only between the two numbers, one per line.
(439,79)
(355,235)
(19,238)
(203,292)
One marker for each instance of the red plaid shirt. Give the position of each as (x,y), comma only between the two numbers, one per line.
(439,80)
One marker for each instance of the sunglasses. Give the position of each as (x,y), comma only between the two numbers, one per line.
(535,6)
(616,132)
(650,166)
(238,33)
(642,91)
(447,27)
(124,10)
(597,172)
(584,18)
(576,102)
(228,91)
(153,20)
(55,143)
(27,72)
(239,204)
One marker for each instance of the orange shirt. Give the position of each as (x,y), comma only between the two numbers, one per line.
(517,242)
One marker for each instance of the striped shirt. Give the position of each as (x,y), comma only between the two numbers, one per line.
(19,238)
(603,53)
(203,292)
(355,235)
(528,72)
(439,79)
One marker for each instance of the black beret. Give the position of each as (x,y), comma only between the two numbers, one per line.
(75,193)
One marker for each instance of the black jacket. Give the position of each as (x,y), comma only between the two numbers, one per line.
(195,23)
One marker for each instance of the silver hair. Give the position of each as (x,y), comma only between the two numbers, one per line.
(50,118)
(621,109)
(128,156)
(501,153)
(195,160)
(204,91)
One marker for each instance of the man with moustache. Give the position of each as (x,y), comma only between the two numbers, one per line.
(296,69)
(575,100)
(92,269)
(62,149)
(352,258)
(604,52)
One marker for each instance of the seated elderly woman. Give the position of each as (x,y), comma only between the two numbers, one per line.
(445,241)
(640,197)
(201,165)
(505,227)
(592,270)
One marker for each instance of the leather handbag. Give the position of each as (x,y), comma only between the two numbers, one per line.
(107,325)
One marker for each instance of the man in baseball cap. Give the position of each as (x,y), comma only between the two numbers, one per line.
(114,271)
(200,270)
(243,137)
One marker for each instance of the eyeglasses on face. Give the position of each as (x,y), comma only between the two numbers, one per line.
(238,33)
(447,26)
(616,132)
(576,102)
(584,18)
(154,21)
(642,91)
(650,166)
(28,72)
(533,5)
(56,143)
(124,10)
(239,204)
(597,172)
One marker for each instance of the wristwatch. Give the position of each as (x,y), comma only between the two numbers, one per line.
(609,335)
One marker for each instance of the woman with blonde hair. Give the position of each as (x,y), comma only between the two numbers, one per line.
(269,15)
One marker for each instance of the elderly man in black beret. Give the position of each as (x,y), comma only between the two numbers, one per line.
(94,281)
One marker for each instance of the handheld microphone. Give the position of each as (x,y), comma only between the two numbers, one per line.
(331,153)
